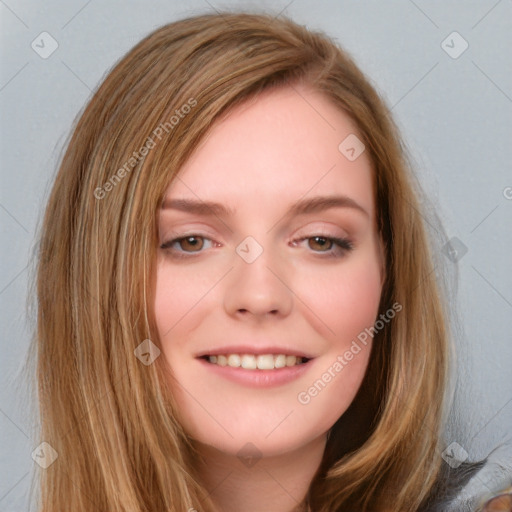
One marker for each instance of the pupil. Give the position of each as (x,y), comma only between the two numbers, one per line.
(193,241)
(322,242)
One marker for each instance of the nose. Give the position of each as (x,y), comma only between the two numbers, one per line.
(259,288)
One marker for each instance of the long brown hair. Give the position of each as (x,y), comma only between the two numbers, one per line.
(111,419)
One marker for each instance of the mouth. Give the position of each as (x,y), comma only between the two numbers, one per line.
(255,362)
(263,370)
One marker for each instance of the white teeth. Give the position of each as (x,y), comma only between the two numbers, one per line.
(234,360)
(291,360)
(248,362)
(265,362)
(280,361)
(252,362)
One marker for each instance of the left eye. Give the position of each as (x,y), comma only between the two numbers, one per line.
(335,246)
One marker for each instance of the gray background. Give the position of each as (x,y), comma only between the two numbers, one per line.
(454,113)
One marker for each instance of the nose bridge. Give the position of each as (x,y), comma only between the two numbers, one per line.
(257,283)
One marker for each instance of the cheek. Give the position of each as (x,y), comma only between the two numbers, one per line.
(345,306)
(177,295)
(347,303)
(344,300)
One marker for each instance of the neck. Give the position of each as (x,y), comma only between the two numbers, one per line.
(273,484)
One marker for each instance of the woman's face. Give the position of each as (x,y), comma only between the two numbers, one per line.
(259,274)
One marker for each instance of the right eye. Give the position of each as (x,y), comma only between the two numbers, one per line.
(193,241)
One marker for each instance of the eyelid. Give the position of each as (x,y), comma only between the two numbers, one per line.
(326,229)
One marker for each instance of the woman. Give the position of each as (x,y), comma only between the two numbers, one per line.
(257,373)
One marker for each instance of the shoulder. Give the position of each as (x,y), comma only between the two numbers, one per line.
(467,487)
(447,491)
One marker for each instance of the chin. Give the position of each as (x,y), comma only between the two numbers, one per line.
(254,441)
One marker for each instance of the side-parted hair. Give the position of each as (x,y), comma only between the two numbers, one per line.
(112,420)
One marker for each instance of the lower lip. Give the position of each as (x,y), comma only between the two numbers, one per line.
(259,378)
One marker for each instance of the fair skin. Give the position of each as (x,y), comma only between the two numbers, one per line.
(310,296)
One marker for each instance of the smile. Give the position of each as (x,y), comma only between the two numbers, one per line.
(256,362)
(256,371)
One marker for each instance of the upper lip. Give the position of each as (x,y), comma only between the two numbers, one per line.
(254,350)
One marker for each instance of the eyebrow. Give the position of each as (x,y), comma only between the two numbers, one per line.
(300,207)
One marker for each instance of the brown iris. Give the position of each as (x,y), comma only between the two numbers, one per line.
(193,245)
(323,242)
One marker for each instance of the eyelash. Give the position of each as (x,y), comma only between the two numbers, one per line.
(342,244)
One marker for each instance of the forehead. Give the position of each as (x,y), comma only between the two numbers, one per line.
(273,149)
